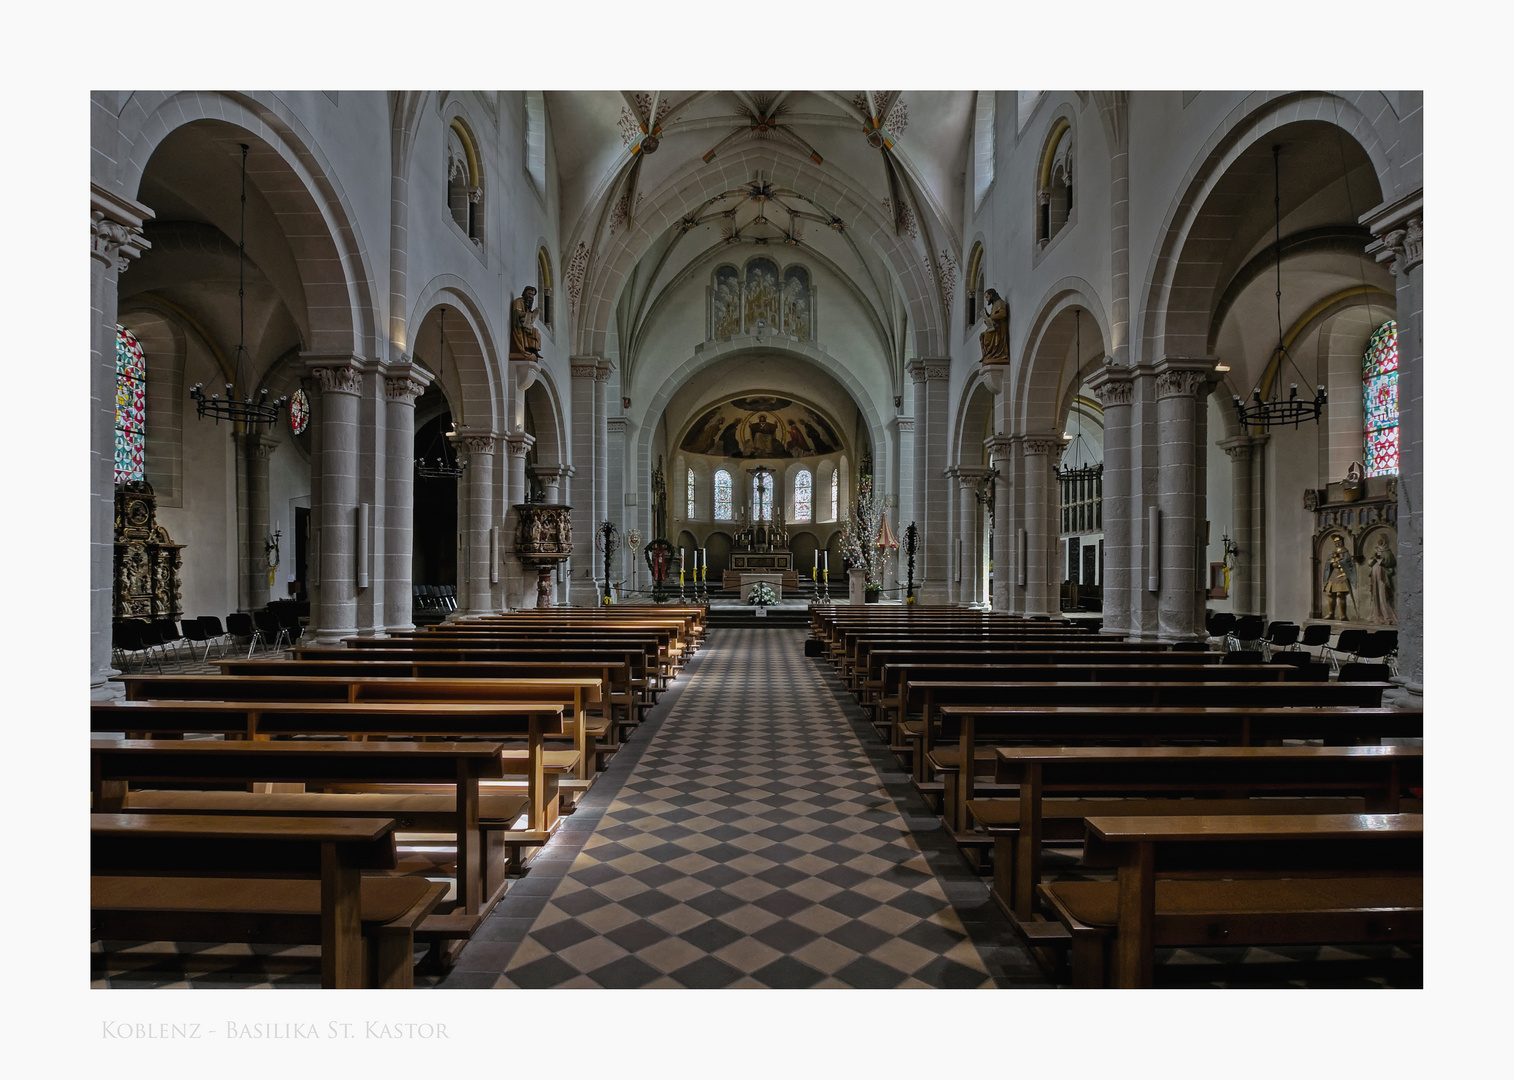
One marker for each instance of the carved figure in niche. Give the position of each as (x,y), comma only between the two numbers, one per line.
(995,339)
(1382,570)
(1340,579)
(525,339)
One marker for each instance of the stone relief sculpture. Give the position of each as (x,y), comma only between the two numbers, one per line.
(995,338)
(1340,580)
(1382,569)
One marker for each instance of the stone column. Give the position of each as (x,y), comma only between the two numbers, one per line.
(906,453)
(602,442)
(476,595)
(1245,524)
(256,448)
(1400,240)
(1040,454)
(1000,451)
(1182,388)
(970,483)
(515,579)
(1114,390)
(617,430)
(334,614)
(932,505)
(402,386)
(580,570)
(115,239)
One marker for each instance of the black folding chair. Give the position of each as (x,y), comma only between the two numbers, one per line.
(215,634)
(1347,645)
(1380,645)
(268,625)
(1316,635)
(1280,636)
(1246,634)
(240,626)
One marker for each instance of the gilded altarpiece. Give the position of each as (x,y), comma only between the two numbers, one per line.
(147,561)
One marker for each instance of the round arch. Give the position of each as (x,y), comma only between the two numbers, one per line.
(287,166)
(477,380)
(1041,386)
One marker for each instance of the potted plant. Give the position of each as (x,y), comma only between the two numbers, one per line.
(762,595)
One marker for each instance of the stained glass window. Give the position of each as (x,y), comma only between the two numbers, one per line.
(299,412)
(802,485)
(835,496)
(131,407)
(762,501)
(1380,401)
(688,484)
(723,496)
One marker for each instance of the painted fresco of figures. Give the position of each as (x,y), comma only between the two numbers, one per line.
(725,305)
(761,295)
(796,302)
(1382,570)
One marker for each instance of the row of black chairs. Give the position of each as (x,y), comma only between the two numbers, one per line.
(1248,633)
(433,597)
(152,640)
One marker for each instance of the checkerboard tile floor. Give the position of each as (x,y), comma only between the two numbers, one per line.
(756,844)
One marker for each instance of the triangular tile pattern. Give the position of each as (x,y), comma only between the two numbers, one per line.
(755,845)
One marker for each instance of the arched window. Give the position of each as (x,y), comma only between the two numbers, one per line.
(544,287)
(1380,400)
(983,146)
(723,496)
(688,490)
(465,185)
(836,495)
(762,501)
(1054,182)
(131,407)
(803,483)
(972,300)
(536,139)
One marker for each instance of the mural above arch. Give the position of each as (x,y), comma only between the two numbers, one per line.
(761,426)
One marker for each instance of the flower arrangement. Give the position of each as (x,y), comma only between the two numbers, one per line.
(860,541)
(762,594)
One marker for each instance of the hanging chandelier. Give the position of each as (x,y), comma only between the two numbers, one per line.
(1276,411)
(444,466)
(1081,472)
(245,411)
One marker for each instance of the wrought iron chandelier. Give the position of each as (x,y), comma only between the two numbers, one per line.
(1081,472)
(445,466)
(245,411)
(1276,411)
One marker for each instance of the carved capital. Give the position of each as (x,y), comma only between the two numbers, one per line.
(403,390)
(937,371)
(518,444)
(583,371)
(1404,248)
(477,444)
(475,194)
(339,380)
(1040,444)
(1181,382)
(115,228)
(999,447)
(905,424)
(1115,392)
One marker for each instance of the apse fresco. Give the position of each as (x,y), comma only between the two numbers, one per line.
(761,427)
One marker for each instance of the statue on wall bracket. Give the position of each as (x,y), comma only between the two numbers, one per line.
(525,339)
(995,338)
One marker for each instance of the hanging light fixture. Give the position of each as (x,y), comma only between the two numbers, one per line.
(443,466)
(245,411)
(1091,470)
(1276,411)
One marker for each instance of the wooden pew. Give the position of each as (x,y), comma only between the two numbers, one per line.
(294,880)
(1057,786)
(1280,693)
(573,695)
(399,721)
(1335,879)
(965,730)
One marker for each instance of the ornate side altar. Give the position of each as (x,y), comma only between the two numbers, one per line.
(1355,550)
(146,561)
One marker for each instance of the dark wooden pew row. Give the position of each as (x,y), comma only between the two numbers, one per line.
(1055,787)
(1240,879)
(180,776)
(624,704)
(844,646)
(1120,696)
(588,731)
(404,724)
(873,653)
(285,880)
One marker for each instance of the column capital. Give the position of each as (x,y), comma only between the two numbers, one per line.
(1398,230)
(604,369)
(1240,447)
(621,423)
(999,447)
(1184,376)
(518,443)
(115,227)
(583,367)
(257,445)
(340,373)
(904,424)
(476,443)
(1113,386)
(552,472)
(921,369)
(403,389)
(1047,444)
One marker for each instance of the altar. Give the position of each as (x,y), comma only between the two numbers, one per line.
(750,581)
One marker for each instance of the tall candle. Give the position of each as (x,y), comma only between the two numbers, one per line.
(827,561)
(681,554)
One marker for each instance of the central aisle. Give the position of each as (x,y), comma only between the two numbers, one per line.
(753,842)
